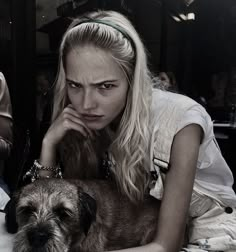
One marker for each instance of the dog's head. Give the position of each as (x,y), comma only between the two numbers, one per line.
(50,213)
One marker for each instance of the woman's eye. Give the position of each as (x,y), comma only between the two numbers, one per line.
(73,85)
(106,86)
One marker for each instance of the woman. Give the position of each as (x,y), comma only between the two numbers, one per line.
(108,122)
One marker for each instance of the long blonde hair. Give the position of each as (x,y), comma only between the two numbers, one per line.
(130,145)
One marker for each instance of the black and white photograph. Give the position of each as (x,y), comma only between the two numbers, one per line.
(117,126)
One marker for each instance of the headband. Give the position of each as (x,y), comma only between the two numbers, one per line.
(108,23)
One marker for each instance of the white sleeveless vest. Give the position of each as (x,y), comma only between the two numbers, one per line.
(167,112)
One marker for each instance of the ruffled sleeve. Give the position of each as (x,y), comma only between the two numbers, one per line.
(5,120)
(5,101)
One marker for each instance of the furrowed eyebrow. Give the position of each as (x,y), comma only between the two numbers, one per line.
(74,82)
(102,82)
(95,83)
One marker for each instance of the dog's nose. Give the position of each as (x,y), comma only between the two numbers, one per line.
(38,237)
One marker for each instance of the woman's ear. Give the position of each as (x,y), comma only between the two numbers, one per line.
(88,210)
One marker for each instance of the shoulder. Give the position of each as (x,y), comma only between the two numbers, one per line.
(1,75)
(5,100)
(173,112)
(2,78)
(3,84)
(169,108)
(163,98)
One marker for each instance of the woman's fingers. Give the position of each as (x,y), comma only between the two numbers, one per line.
(77,120)
(68,120)
(69,124)
(72,121)
(70,111)
(62,125)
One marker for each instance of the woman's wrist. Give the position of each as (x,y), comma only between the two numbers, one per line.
(45,166)
(48,144)
(38,171)
(47,171)
(42,171)
(45,174)
(48,154)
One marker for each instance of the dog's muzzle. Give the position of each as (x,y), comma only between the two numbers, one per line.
(39,236)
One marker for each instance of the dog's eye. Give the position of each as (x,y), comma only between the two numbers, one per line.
(63,213)
(27,210)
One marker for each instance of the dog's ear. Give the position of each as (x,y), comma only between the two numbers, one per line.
(88,209)
(10,213)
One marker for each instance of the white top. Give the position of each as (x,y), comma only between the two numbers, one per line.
(213,173)
(213,176)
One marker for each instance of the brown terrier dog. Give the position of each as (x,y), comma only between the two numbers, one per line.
(73,215)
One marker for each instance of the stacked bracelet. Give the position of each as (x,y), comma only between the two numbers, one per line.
(33,172)
(45,168)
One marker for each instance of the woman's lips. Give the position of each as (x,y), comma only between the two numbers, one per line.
(91,117)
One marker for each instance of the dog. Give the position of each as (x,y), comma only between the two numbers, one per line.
(58,215)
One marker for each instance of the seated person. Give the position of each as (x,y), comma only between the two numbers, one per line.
(6,132)
(168,81)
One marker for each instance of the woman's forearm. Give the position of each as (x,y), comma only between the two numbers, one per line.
(151,247)
(48,154)
(47,157)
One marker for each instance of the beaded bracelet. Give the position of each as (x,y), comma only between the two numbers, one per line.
(33,172)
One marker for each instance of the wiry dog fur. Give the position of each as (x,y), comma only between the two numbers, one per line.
(56,215)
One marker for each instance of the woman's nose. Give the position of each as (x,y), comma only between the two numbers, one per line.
(89,100)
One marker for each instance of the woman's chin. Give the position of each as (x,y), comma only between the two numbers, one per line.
(95,125)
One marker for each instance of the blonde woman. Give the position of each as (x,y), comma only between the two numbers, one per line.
(108,122)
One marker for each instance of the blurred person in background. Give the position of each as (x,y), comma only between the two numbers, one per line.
(6,128)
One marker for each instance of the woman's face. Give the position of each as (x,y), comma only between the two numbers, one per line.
(97,86)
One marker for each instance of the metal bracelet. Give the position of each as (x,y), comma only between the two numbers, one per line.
(45,168)
(33,173)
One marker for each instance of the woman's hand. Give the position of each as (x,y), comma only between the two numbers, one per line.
(68,120)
